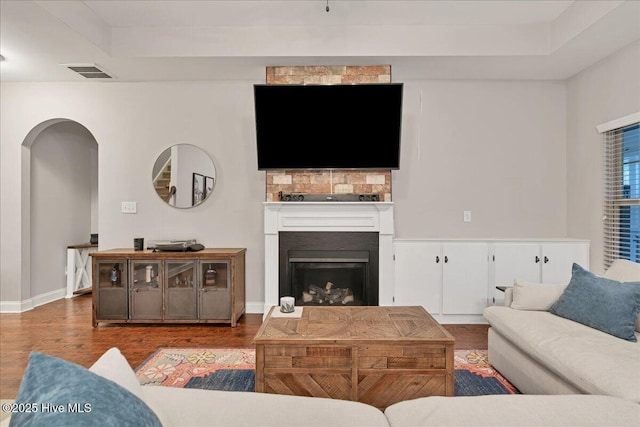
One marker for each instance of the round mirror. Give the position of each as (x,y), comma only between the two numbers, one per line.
(184,176)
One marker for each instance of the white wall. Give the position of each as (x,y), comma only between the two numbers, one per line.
(606,91)
(61,193)
(133,124)
(495,148)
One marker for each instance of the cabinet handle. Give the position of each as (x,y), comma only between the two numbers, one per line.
(446,259)
(537,259)
(437,259)
(546,260)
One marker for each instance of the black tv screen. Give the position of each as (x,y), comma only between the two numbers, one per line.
(355,126)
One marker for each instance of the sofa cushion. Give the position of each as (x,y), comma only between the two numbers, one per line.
(604,304)
(535,296)
(593,361)
(211,408)
(624,270)
(515,410)
(61,393)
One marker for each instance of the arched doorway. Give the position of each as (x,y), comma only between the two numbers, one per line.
(60,190)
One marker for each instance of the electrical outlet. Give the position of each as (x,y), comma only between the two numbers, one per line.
(467,216)
(129,207)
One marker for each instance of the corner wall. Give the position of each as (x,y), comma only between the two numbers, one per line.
(604,92)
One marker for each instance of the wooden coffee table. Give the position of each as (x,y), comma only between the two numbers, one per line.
(374,355)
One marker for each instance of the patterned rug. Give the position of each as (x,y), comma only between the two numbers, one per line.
(232,369)
(476,377)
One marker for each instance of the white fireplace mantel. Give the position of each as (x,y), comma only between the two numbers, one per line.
(328,216)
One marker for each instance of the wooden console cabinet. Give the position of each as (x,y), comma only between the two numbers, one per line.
(131,286)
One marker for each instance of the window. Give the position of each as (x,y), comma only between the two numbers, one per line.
(622,194)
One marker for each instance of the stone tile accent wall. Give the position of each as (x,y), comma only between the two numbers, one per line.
(325,181)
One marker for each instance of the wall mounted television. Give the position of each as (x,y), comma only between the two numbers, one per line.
(342,126)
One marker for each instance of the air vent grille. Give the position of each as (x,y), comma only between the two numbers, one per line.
(85,69)
(99,75)
(88,71)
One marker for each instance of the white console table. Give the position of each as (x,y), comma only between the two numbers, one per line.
(79,268)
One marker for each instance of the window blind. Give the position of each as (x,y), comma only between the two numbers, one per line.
(622,194)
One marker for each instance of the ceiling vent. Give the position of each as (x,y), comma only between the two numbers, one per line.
(88,71)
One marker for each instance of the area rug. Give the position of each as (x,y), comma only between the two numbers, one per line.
(233,369)
(476,377)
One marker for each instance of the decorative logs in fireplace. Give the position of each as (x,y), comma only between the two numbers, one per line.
(327,295)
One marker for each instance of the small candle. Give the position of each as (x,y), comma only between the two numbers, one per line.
(287,304)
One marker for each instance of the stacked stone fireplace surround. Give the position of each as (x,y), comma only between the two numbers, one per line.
(328,217)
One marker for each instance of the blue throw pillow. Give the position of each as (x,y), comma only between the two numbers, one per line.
(607,305)
(54,392)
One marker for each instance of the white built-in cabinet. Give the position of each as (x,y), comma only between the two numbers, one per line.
(455,280)
(418,274)
(536,262)
(465,277)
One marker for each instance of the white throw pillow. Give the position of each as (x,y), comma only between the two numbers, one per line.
(113,366)
(623,270)
(535,296)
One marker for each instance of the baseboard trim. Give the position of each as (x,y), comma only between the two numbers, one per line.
(254,307)
(31,303)
(16,306)
(460,319)
(48,297)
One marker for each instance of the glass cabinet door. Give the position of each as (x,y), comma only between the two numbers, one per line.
(214,289)
(181,289)
(112,289)
(145,286)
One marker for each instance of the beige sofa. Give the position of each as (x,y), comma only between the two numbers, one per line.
(542,353)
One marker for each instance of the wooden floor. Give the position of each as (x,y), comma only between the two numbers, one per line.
(63,329)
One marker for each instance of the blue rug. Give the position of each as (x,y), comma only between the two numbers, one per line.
(468,383)
(226,380)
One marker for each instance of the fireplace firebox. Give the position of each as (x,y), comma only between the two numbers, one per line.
(329,268)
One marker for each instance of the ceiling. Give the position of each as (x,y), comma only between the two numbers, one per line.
(221,40)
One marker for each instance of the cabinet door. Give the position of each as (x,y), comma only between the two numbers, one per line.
(111,288)
(558,258)
(214,289)
(512,261)
(180,292)
(418,275)
(145,286)
(465,277)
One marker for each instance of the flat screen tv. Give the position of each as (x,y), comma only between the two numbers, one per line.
(345,126)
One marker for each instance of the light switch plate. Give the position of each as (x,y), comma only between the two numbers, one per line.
(467,216)
(129,207)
